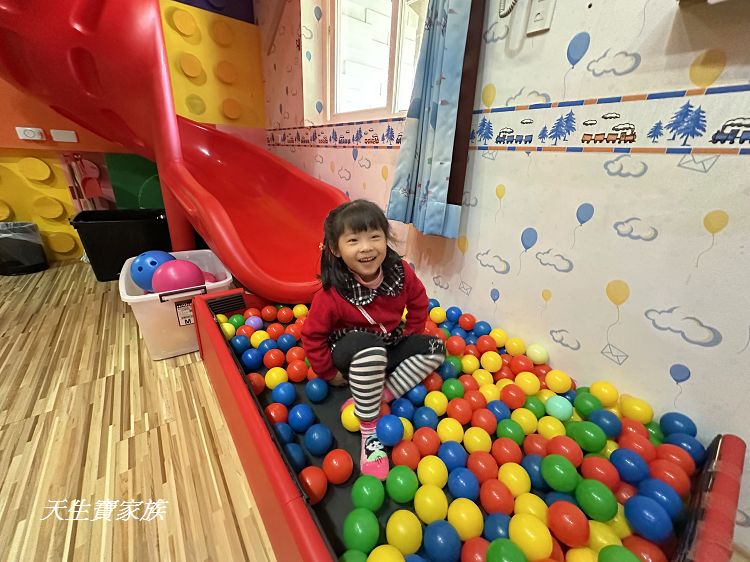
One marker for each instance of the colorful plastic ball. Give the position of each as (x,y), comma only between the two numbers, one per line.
(449,429)
(531,536)
(284,315)
(433,382)
(531,504)
(505,550)
(601,535)
(470,382)
(316,390)
(655,434)
(559,473)
(425,416)
(596,500)
(467,321)
(499,410)
(624,492)
(586,403)
(643,549)
(526,419)
(558,381)
(245,330)
(466,518)
(490,392)
(442,542)
(463,484)
(495,497)
(450,368)
(499,336)
(635,427)
(636,409)
(430,503)
(588,435)
(228,330)
(236,320)
(515,346)
(276,412)
(266,345)
(617,553)
(532,464)
(520,364)
(671,474)
(605,392)
(361,530)
(640,445)
(482,328)
(437,401)
(689,444)
(301,417)
(461,333)
(273,358)
(432,303)
(353,556)
(568,524)
(676,455)
(485,343)
(477,439)
(475,399)
(240,344)
(258,337)
(483,465)
(630,465)
(275,376)
(368,493)
(338,466)
(255,322)
(437,315)
(389,430)
(491,361)
(296,456)
(401,484)
(496,526)
(314,483)
(558,407)
(453,455)
(300,311)
(515,478)
(554,497)
(402,408)
(143,267)
(452,388)
(535,444)
(258,383)
(505,450)
(510,428)
(475,550)
(481,377)
(432,470)
(349,419)
(268,313)
(318,439)
(408,429)
(284,393)
(485,420)
(403,531)
(528,382)
(602,470)
(513,396)
(460,410)
(663,494)
(647,518)
(406,453)
(286,342)
(427,441)
(537,353)
(549,427)
(455,345)
(416,395)
(453,313)
(284,432)
(385,553)
(567,448)
(608,422)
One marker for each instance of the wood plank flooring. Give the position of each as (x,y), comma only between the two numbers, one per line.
(86,415)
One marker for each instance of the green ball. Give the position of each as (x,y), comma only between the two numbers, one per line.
(616,553)
(353,556)
(446,331)
(510,428)
(401,484)
(559,473)
(361,530)
(559,407)
(586,403)
(455,362)
(582,389)
(655,432)
(596,500)
(452,388)
(236,320)
(589,436)
(368,493)
(504,550)
(536,406)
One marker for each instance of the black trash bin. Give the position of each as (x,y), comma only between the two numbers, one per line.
(111,237)
(21,249)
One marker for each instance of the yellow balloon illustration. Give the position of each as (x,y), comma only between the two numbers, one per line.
(715,221)
(332,166)
(463,243)
(546,295)
(618,292)
(488,95)
(707,67)
(500,191)
(384,173)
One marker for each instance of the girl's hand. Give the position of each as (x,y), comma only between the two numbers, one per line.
(338,380)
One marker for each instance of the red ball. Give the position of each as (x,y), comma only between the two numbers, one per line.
(297,370)
(295,354)
(624,492)
(535,444)
(293,330)
(504,449)
(676,455)
(440,334)
(483,465)
(268,313)
(433,382)
(639,444)
(455,345)
(406,453)
(568,523)
(513,396)
(542,369)
(273,358)
(495,497)
(485,419)
(257,383)
(597,468)
(311,374)
(251,312)
(468,382)
(643,549)
(460,409)
(504,373)
(521,363)
(300,321)
(430,325)
(486,343)
(427,441)
(285,315)
(472,350)
(245,330)
(338,466)
(672,474)
(467,321)
(542,382)
(476,399)
(475,550)
(565,446)
(385,409)
(632,426)
(557,552)
(277,412)
(275,330)
(506,357)
(314,483)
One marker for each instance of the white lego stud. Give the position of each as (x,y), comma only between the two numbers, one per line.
(30,133)
(61,135)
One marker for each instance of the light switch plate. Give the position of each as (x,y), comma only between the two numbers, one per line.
(63,135)
(540,16)
(30,133)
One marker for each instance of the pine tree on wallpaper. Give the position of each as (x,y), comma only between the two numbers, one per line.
(679,118)
(558,130)
(570,124)
(656,132)
(484,130)
(472,136)
(334,136)
(389,134)
(543,134)
(694,125)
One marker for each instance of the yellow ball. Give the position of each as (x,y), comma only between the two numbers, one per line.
(515,346)
(502,383)
(531,536)
(584,554)
(477,439)
(437,315)
(528,382)
(482,377)
(549,427)
(615,410)
(619,523)
(576,416)
(490,392)
(349,420)
(526,419)
(408,429)
(386,553)
(636,409)
(515,478)
(430,503)
(544,395)
(537,353)
(257,337)
(437,401)
(466,518)
(609,448)
(449,429)
(275,376)
(491,361)
(432,470)
(531,504)
(558,381)
(499,336)
(300,310)
(605,392)
(469,364)
(601,535)
(222,318)
(404,531)
(228,330)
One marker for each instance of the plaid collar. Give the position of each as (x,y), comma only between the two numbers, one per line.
(392,285)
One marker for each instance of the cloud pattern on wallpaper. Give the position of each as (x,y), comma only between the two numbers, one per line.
(495,32)
(345,174)
(625,166)
(364,162)
(528,98)
(635,229)
(557,261)
(493,262)
(440,282)
(689,328)
(618,63)
(565,339)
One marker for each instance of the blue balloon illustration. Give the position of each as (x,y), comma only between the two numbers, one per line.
(528,238)
(308,55)
(584,213)
(494,295)
(578,47)
(319,106)
(679,372)
(355,153)
(318,13)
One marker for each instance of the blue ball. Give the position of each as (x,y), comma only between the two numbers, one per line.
(296,456)
(390,430)
(425,417)
(441,542)
(552,497)
(470,340)
(284,432)
(446,325)
(532,464)
(316,390)
(252,359)
(432,303)
(499,409)
(647,518)
(482,328)
(453,455)
(286,342)
(463,484)
(630,465)
(267,345)
(318,440)
(447,371)
(609,423)
(570,396)
(675,422)
(690,444)
(143,267)
(301,417)
(459,332)
(414,558)
(496,526)
(284,393)
(240,344)
(403,408)
(416,395)
(663,494)
(453,313)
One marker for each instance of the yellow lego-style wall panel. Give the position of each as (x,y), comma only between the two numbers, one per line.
(214,65)
(33,188)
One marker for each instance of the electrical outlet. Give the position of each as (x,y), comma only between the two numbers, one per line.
(30,133)
(540,17)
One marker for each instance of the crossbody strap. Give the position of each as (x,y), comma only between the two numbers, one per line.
(371,321)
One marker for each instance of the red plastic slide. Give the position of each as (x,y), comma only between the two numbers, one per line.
(102,64)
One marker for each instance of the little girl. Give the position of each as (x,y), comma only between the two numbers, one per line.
(354,329)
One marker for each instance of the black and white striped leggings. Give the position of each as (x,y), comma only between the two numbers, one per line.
(369,365)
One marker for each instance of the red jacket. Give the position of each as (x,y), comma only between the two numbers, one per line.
(330,311)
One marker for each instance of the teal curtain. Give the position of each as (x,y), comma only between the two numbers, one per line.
(420,185)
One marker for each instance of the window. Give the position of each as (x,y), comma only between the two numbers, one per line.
(373,50)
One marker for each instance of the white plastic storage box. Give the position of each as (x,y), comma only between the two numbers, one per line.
(166,319)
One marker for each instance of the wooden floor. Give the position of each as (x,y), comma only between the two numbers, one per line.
(86,415)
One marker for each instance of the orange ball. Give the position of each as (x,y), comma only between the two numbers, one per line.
(314,483)
(297,370)
(268,313)
(273,358)
(406,453)
(295,354)
(427,441)
(460,409)
(275,330)
(337,465)
(285,315)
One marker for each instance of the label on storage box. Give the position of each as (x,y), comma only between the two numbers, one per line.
(184,311)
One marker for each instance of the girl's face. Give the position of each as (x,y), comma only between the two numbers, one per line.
(362,252)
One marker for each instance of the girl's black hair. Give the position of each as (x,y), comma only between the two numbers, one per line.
(358,216)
